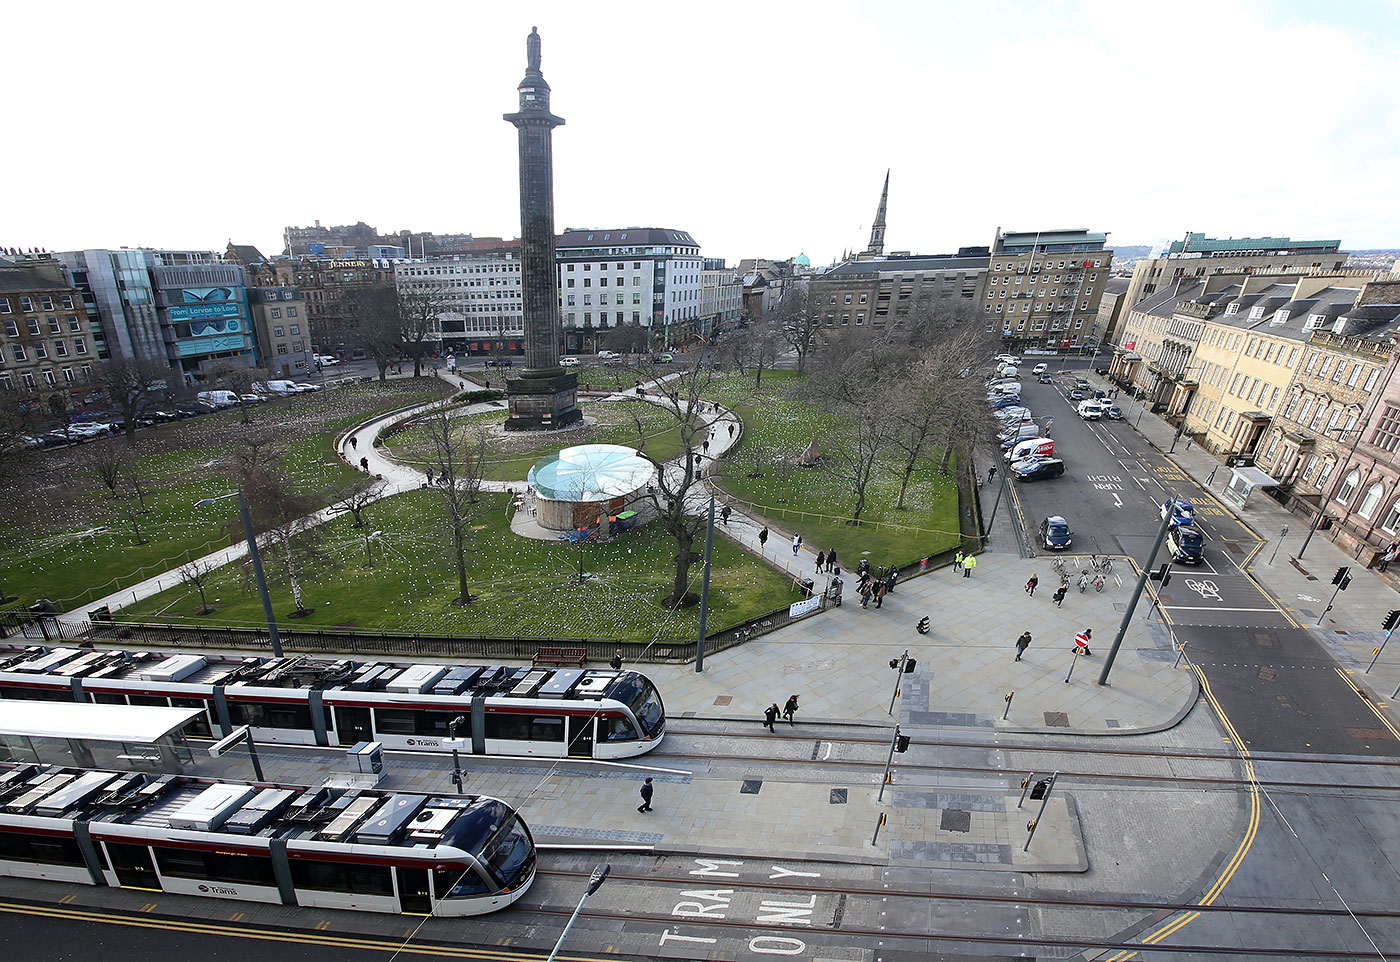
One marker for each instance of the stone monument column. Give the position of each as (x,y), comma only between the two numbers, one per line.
(543,397)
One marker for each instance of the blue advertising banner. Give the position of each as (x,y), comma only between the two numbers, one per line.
(210,345)
(230,309)
(204,295)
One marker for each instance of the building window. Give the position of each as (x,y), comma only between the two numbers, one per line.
(40,351)
(26,305)
(49,378)
(79,345)
(291,312)
(32,324)
(276,313)
(1387,433)
(1348,487)
(4,305)
(68,301)
(11,328)
(282,348)
(73,324)
(1392,519)
(295,330)
(60,348)
(68,375)
(1370,501)
(277,330)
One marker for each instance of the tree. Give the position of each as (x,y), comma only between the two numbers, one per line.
(374,311)
(419,310)
(458,465)
(755,346)
(198,573)
(674,491)
(286,516)
(117,470)
(353,498)
(796,322)
(133,386)
(239,379)
(629,338)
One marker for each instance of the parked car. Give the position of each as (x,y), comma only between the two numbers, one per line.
(217,399)
(251,398)
(1039,470)
(1018,432)
(1040,368)
(1014,412)
(664,359)
(1005,401)
(1186,544)
(327,360)
(90,429)
(1113,412)
(1082,384)
(307,388)
(1055,533)
(568,362)
(1181,511)
(1076,395)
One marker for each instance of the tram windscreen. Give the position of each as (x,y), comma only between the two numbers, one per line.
(510,854)
(640,695)
(492,832)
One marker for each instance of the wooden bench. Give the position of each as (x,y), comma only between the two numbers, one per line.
(560,656)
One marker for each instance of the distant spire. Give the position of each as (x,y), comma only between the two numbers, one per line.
(877,229)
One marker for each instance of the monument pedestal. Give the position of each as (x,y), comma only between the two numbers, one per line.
(542,403)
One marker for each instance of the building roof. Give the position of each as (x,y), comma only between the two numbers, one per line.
(1022,241)
(1201,244)
(246,253)
(591,472)
(909,263)
(623,237)
(22,279)
(1117,285)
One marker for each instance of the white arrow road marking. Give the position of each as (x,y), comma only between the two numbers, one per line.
(1117,501)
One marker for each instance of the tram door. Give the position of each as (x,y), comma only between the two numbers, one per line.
(353,725)
(581,736)
(414,897)
(132,865)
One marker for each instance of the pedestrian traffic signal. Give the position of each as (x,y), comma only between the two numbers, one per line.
(909,666)
(1341,574)
(922,626)
(901,744)
(894,662)
(1041,787)
(1342,585)
(1391,621)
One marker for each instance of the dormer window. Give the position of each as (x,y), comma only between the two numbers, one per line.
(1314,322)
(1280,317)
(1232,308)
(1256,312)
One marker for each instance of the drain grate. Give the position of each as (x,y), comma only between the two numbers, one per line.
(1057,719)
(838,796)
(1264,639)
(956,820)
(750,786)
(1268,674)
(723,700)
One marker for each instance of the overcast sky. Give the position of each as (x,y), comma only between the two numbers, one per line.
(763,129)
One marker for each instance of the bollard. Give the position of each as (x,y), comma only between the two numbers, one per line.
(1009,695)
(1071,666)
(1180,651)
(1025,787)
(878,824)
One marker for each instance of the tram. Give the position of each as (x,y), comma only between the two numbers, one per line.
(487,710)
(365,850)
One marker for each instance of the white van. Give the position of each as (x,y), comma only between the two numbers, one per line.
(218,399)
(283,387)
(1007,370)
(1017,433)
(1090,410)
(1004,387)
(1031,448)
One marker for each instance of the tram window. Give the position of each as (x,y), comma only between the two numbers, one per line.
(216,866)
(457,883)
(510,853)
(107,698)
(35,694)
(269,715)
(524,727)
(197,726)
(335,877)
(160,701)
(48,851)
(616,728)
(406,721)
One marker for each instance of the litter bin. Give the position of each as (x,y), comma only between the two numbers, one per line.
(366,758)
(807,587)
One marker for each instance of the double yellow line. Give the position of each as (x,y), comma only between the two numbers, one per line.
(1251,829)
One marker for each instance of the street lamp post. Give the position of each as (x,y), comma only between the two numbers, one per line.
(252,539)
(456,758)
(1341,477)
(599,876)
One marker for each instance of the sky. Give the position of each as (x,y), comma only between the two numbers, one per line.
(764,130)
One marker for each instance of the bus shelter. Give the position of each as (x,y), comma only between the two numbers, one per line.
(84,735)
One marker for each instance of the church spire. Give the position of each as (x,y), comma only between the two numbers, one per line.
(877,229)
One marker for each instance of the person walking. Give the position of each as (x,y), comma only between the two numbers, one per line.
(831,560)
(646,796)
(763,538)
(364,465)
(430,477)
(890,581)
(991,473)
(969,563)
(879,591)
(1059,596)
(731,431)
(821,561)
(957,560)
(865,591)
(1030,585)
(705,446)
(1388,557)
(615,663)
(354,444)
(724,515)
(796,544)
(1022,644)
(790,709)
(770,715)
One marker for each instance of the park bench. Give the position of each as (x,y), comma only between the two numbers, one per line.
(560,656)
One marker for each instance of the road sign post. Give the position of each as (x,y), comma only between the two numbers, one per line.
(1341,579)
(1132,604)
(1283,533)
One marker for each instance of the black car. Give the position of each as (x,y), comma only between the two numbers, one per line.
(1047,468)
(1055,533)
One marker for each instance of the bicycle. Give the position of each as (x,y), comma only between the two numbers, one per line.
(1059,565)
(1103,565)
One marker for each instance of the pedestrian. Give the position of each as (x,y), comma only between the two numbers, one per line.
(835,590)
(1022,644)
(430,477)
(354,444)
(865,592)
(821,561)
(646,796)
(957,560)
(1030,585)
(1388,557)
(705,446)
(724,514)
(969,563)
(790,709)
(364,465)
(796,544)
(763,538)
(770,715)
(1059,596)
(731,430)
(880,589)
(991,473)
(831,560)
(615,663)
(890,581)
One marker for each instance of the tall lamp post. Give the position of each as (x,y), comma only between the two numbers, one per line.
(599,876)
(456,758)
(252,539)
(1341,477)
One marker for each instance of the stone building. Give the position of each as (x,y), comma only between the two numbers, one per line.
(721,297)
(1043,287)
(325,285)
(1196,256)
(45,344)
(634,275)
(879,292)
(482,294)
(281,330)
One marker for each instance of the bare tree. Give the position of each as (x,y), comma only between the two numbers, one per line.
(459,465)
(419,311)
(116,469)
(756,346)
(133,386)
(239,379)
(375,314)
(796,322)
(198,574)
(285,515)
(626,339)
(353,498)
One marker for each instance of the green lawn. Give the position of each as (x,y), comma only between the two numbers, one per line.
(523,585)
(778,426)
(61,541)
(510,456)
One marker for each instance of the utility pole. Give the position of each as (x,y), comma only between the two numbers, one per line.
(705,588)
(1137,593)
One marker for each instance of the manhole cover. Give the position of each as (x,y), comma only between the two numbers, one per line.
(1057,719)
(956,820)
(751,786)
(838,796)
(1268,674)
(1234,547)
(1119,606)
(1263,640)
(723,699)
(1369,734)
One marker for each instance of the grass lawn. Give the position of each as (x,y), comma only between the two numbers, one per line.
(62,541)
(523,585)
(778,426)
(510,456)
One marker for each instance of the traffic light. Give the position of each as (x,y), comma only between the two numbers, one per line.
(1340,575)
(922,626)
(1162,574)
(1391,621)
(909,666)
(1342,585)
(901,744)
(1041,787)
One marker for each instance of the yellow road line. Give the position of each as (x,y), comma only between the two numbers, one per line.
(1368,703)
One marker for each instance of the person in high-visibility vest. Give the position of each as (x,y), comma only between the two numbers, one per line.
(968,564)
